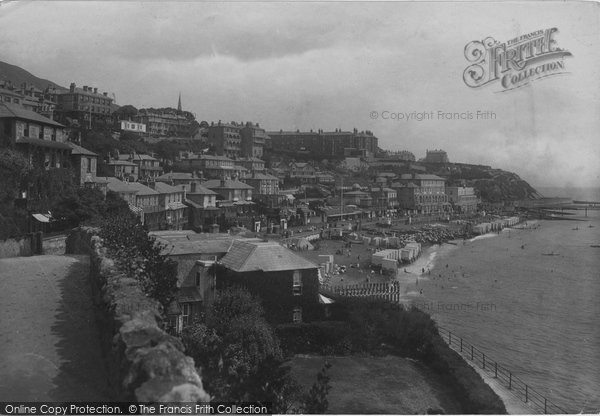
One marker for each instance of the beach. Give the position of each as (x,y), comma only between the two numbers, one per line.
(536,314)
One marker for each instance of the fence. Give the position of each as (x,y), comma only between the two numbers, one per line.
(516,386)
(388,291)
(391,292)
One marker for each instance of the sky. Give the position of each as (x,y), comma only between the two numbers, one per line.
(329,65)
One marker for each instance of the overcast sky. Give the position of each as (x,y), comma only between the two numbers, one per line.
(329,65)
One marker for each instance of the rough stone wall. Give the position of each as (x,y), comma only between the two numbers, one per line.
(54,245)
(13,247)
(145,364)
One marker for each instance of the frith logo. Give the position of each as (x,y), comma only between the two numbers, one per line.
(514,63)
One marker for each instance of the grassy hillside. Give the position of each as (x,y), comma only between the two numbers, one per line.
(18,75)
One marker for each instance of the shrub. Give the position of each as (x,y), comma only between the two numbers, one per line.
(139,255)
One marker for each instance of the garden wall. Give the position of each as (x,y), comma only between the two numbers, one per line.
(144,363)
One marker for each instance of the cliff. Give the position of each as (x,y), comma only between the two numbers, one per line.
(492,185)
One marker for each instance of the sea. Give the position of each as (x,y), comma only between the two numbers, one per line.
(529,299)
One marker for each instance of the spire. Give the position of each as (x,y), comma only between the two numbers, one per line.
(179,104)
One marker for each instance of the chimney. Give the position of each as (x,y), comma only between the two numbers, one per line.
(85,87)
(193,187)
(222,182)
(105,94)
(95,90)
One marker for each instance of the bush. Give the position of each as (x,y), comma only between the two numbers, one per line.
(139,255)
(377,327)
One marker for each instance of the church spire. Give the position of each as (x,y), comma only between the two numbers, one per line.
(179,104)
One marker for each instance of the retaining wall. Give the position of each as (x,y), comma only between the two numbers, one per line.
(144,363)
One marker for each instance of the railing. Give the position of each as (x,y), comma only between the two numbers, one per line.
(379,290)
(516,386)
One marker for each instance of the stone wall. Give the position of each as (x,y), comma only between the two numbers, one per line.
(20,247)
(54,245)
(144,363)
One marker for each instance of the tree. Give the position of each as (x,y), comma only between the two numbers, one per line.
(234,345)
(14,170)
(316,399)
(140,256)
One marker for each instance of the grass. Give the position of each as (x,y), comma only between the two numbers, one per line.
(377,385)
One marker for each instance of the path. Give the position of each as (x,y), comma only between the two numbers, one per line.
(49,342)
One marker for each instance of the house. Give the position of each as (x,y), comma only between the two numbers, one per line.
(40,139)
(171,199)
(287,283)
(148,166)
(142,200)
(84,163)
(86,105)
(422,193)
(230,190)
(123,170)
(384,198)
(253,164)
(202,203)
(195,255)
(180,180)
(462,199)
(264,184)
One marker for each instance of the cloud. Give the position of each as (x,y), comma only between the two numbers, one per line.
(328,65)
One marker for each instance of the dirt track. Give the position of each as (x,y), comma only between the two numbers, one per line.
(49,344)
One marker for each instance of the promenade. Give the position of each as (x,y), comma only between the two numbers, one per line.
(49,345)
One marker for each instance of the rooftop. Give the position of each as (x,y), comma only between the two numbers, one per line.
(226,184)
(246,256)
(78,150)
(175,176)
(8,110)
(163,188)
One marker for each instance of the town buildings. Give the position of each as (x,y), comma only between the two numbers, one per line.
(123,170)
(159,205)
(40,139)
(30,97)
(436,156)
(462,199)
(326,144)
(225,138)
(263,184)
(166,122)
(237,139)
(252,140)
(148,166)
(84,163)
(421,193)
(171,199)
(203,211)
(86,105)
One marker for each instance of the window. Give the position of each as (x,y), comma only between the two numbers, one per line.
(297,283)
(185,312)
(297,317)
(198,278)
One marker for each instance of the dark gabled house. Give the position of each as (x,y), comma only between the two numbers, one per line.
(287,283)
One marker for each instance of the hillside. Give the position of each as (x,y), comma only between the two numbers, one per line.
(18,76)
(492,185)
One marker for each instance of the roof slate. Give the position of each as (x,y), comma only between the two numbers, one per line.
(265,256)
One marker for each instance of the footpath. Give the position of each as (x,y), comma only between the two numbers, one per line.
(49,343)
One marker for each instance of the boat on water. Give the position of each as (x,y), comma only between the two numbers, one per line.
(575,229)
(550,254)
(595,245)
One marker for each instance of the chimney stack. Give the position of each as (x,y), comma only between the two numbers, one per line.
(193,187)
